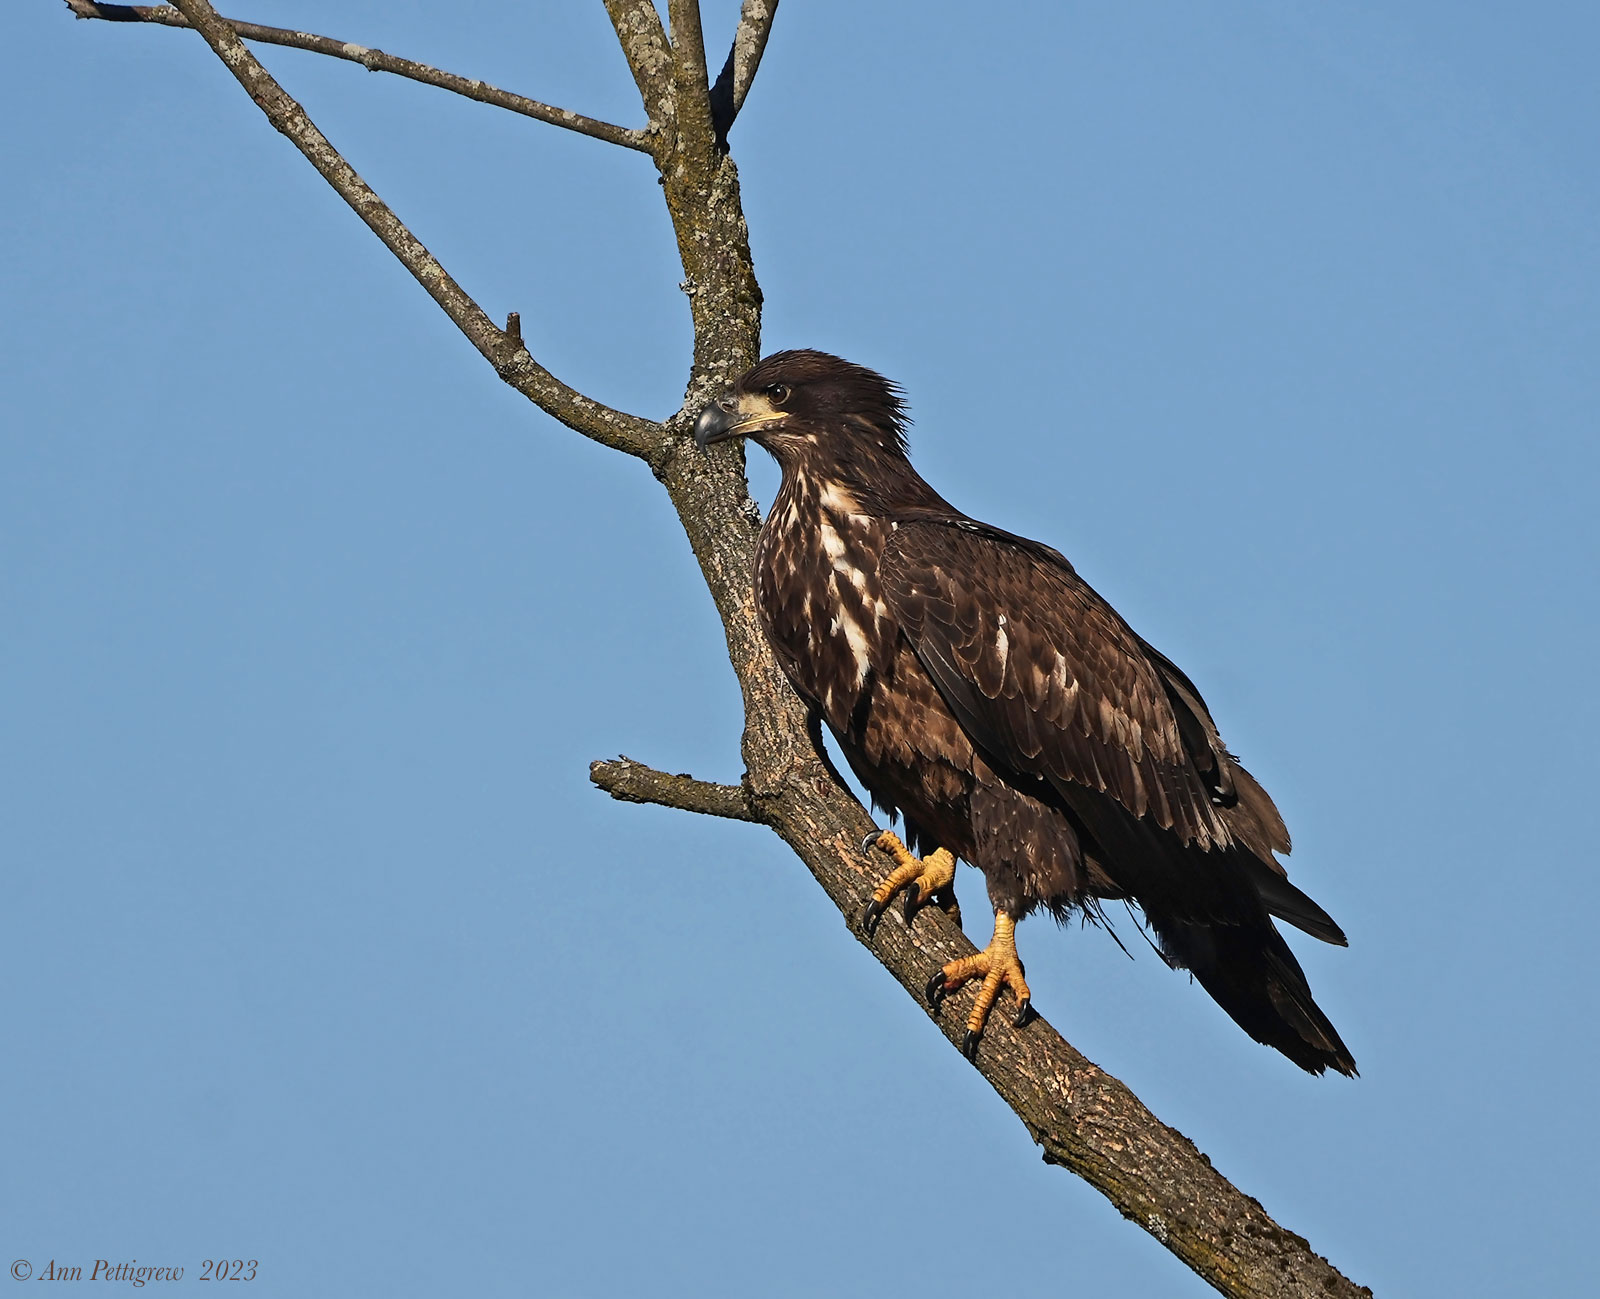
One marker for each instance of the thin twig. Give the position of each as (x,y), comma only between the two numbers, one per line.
(744,58)
(510,359)
(633,782)
(378,61)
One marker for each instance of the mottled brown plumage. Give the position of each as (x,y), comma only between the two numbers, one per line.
(981,689)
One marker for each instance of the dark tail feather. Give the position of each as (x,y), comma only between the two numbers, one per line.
(1286,902)
(1251,973)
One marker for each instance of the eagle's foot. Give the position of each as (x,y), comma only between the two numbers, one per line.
(997,964)
(927,880)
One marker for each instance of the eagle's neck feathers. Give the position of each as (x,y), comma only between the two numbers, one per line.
(818,588)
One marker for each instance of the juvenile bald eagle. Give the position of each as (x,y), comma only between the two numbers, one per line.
(982,690)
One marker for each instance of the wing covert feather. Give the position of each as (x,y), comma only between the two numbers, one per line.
(1042,673)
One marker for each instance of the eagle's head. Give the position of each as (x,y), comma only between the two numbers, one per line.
(802,403)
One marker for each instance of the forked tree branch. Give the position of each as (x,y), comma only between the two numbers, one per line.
(744,58)
(378,61)
(507,354)
(1082,1117)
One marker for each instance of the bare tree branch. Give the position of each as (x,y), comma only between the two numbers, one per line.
(744,58)
(644,45)
(1084,1119)
(509,357)
(378,61)
(689,65)
(628,781)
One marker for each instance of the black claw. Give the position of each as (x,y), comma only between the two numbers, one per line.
(912,901)
(869,917)
(969,1045)
(936,990)
(870,842)
(1024,1014)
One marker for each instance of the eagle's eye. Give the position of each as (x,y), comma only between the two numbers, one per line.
(779,393)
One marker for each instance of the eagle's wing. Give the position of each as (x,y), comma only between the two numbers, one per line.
(1043,674)
(1049,682)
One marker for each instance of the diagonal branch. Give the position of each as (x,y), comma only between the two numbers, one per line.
(744,58)
(644,45)
(378,61)
(502,350)
(1084,1119)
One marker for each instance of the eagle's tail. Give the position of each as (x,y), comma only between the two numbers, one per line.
(1250,972)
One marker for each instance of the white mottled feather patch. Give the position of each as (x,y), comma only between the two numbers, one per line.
(856,638)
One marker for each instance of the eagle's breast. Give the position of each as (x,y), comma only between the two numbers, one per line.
(820,597)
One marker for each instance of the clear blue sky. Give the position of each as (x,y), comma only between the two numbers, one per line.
(1278,318)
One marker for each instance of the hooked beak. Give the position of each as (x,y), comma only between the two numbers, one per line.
(716,423)
(728,417)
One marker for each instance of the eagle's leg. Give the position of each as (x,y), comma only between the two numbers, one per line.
(929,880)
(998,964)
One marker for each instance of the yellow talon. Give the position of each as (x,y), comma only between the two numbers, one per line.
(929,878)
(998,964)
